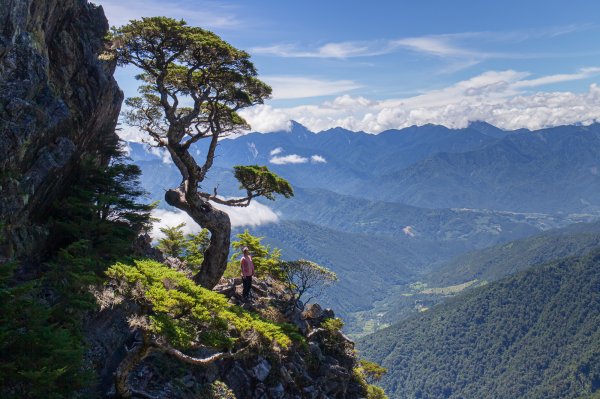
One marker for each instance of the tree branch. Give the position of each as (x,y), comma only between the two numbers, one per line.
(194,360)
(239,202)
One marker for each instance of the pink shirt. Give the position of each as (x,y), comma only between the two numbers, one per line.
(247,266)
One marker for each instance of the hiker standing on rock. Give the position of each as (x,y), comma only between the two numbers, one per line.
(247,272)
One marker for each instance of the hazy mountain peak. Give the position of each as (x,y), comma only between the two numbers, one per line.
(487,129)
(299,130)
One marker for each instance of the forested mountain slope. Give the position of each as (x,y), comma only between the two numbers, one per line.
(475,268)
(501,260)
(532,335)
(367,266)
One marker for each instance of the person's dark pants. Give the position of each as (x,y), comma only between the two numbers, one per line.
(247,286)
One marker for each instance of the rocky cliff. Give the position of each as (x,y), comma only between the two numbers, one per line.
(321,366)
(57,102)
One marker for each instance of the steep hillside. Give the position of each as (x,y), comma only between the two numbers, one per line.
(472,269)
(493,263)
(532,335)
(475,228)
(353,256)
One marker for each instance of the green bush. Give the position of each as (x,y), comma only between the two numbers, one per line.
(266,260)
(41,358)
(184,313)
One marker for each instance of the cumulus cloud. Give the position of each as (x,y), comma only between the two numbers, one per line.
(265,118)
(161,153)
(317,159)
(291,87)
(276,151)
(130,133)
(288,159)
(503,98)
(253,215)
(409,231)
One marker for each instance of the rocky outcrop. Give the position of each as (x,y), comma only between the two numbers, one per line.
(58,101)
(319,367)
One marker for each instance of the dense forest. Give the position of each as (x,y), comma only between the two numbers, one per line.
(531,335)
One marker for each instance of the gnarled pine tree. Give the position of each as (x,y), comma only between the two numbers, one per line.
(184,65)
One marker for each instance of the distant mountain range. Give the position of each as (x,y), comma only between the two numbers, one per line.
(383,210)
(533,335)
(549,170)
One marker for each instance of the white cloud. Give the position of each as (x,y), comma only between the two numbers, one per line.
(172,219)
(458,50)
(583,73)
(437,45)
(317,159)
(293,159)
(265,118)
(130,133)
(290,87)
(339,50)
(276,151)
(255,214)
(161,153)
(208,14)
(409,231)
(502,98)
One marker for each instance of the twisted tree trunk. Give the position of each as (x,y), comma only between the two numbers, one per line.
(217,223)
(134,357)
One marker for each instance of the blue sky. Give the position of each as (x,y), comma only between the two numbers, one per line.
(378,65)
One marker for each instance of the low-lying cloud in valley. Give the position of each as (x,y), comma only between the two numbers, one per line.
(255,214)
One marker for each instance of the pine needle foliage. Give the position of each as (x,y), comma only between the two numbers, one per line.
(42,311)
(103,207)
(261,181)
(367,373)
(188,248)
(173,241)
(267,260)
(185,314)
(40,357)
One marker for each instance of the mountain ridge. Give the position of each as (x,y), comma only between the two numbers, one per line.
(531,335)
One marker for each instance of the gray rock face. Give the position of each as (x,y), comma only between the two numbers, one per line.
(261,370)
(57,102)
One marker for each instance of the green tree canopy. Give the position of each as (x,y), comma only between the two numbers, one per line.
(173,242)
(305,277)
(188,248)
(193,84)
(267,261)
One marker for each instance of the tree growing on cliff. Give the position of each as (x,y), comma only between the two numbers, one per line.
(193,85)
(305,277)
(175,316)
